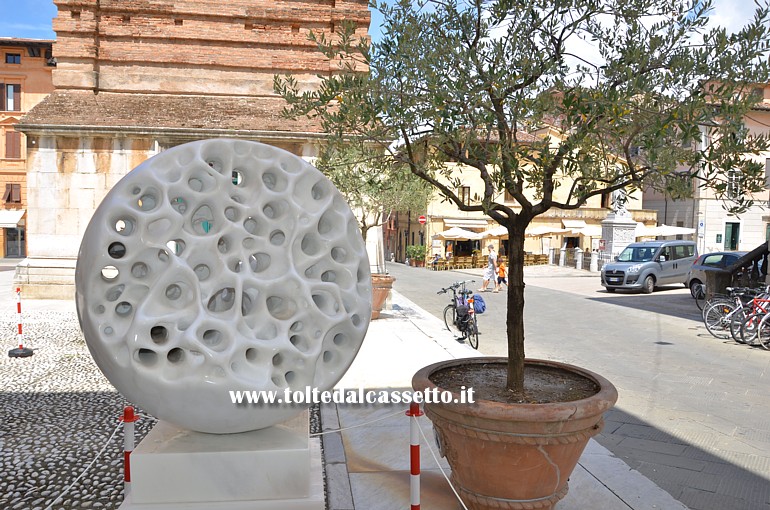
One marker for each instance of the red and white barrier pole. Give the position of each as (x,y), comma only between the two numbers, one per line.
(128,420)
(21,352)
(414,454)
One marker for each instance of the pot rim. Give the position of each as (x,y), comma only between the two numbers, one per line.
(597,403)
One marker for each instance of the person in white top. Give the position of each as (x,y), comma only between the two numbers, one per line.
(491,270)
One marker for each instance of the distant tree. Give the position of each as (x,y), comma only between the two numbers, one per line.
(615,92)
(373,185)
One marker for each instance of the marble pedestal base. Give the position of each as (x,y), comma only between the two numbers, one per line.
(274,468)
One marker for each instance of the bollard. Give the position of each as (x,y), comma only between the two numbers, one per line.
(21,352)
(414,454)
(128,420)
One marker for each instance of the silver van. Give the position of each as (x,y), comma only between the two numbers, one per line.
(643,266)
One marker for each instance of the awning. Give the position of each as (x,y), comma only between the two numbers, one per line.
(10,219)
(574,224)
(465,223)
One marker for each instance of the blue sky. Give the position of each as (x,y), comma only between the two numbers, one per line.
(32,18)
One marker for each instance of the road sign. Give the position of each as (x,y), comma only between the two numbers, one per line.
(422,220)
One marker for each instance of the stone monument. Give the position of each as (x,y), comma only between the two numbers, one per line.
(217,266)
(619,228)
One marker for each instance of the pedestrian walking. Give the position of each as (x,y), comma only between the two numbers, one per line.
(490,270)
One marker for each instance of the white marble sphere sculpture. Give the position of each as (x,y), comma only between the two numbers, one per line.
(222,265)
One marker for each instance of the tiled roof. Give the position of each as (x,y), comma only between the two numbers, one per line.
(84,109)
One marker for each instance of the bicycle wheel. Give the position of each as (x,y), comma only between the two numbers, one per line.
(717,319)
(450,320)
(750,327)
(763,332)
(699,294)
(737,323)
(472,333)
(713,301)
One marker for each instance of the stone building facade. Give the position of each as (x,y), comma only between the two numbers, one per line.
(135,77)
(25,79)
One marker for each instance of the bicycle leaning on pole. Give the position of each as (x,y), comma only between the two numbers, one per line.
(460,313)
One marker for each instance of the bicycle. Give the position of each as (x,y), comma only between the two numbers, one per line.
(460,315)
(718,312)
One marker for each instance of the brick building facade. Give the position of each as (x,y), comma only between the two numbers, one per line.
(137,76)
(25,79)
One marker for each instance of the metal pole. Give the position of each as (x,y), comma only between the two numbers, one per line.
(414,455)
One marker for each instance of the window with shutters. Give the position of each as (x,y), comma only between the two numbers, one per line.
(12,145)
(10,99)
(464,194)
(13,58)
(12,193)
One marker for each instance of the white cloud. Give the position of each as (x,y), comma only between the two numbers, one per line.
(732,14)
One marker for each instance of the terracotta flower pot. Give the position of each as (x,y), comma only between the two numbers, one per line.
(381,285)
(514,456)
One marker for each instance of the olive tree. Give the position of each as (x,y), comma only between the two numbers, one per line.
(592,96)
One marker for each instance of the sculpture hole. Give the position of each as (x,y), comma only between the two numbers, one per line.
(159,334)
(108,330)
(329,276)
(175,355)
(235,367)
(300,343)
(202,220)
(99,309)
(277,360)
(223,245)
(326,303)
(147,202)
(235,265)
(272,182)
(124,226)
(123,308)
(237,177)
(275,210)
(173,292)
(222,301)
(310,245)
(249,243)
(247,304)
(163,255)
(339,339)
(202,271)
(146,357)
(290,377)
(236,199)
(318,192)
(251,226)
(110,273)
(139,270)
(328,356)
(339,254)
(212,338)
(215,164)
(195,184)
(325,224)
(179,205)
(176,246)
(114,293)
(281,308)
(259,262)
(136,190)
(297,327)
(252,354)
(310,271)
(231,213)
(356,320)
(277,238)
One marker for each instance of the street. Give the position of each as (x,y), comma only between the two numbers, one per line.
(692,412)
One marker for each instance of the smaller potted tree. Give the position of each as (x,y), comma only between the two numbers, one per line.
(416,254)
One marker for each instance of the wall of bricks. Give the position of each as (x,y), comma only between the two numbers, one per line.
(103,44)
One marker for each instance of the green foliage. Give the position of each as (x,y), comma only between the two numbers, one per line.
(589,95)
(372,185)
(416,251)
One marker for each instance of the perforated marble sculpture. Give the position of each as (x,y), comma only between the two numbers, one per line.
(222,265)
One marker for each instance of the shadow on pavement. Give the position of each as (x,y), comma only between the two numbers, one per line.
(700,479)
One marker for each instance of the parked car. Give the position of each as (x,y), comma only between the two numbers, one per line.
(709,262)
(644,266)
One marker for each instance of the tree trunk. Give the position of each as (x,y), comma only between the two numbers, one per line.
(515,318)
